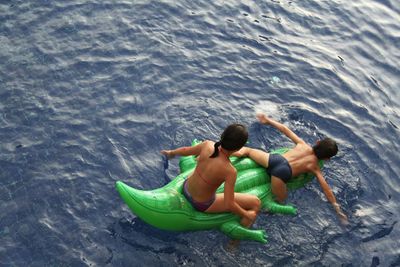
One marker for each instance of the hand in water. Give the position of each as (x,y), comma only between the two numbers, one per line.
(342,217)
(168,153)
(262,118)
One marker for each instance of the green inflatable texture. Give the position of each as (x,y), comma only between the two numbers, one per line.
(167,208)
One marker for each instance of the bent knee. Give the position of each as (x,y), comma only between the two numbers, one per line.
(256,204)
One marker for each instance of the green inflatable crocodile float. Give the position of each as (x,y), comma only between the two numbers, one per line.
(167,208)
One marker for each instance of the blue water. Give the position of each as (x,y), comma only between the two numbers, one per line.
(91,91)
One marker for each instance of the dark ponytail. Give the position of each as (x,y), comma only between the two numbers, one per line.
(233,138)
(216,145)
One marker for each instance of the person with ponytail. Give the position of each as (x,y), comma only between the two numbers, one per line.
(214,168)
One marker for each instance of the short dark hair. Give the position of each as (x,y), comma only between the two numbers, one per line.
(325,148)
(233,138)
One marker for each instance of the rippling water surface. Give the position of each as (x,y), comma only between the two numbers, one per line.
(91,91)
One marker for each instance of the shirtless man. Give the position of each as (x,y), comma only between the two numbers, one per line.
(301,159)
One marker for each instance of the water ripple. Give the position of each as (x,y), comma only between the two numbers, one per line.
(92,91)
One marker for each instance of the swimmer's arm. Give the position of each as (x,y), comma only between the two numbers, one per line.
(281,127)
(183,151)
(330,196)
(325,187)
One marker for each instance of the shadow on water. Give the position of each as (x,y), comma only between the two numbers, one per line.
(143,238)
(137,227)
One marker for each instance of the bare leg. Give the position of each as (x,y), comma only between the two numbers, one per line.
(278,188)
(259,156)
(246,201)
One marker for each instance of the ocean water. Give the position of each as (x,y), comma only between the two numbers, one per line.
(91,91)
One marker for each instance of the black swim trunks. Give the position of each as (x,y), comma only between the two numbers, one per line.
(279,167)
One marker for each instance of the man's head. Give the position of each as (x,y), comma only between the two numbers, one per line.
(325,148)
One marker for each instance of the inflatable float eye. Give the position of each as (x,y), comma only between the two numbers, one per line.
(167,208)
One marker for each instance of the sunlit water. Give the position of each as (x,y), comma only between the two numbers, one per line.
(91,91)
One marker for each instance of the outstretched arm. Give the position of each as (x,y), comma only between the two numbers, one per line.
(330,196)
(183,151)
(281,127)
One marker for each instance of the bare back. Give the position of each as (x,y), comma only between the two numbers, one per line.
(301,159)
(209,174)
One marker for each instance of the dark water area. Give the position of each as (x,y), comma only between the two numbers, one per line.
(90,92)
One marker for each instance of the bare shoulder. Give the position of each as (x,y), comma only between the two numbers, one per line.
(313,165)
(230,172)
(302,148)
(304,145)
(316,164)
(209,145)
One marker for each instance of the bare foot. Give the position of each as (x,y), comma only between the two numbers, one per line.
(247,222)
